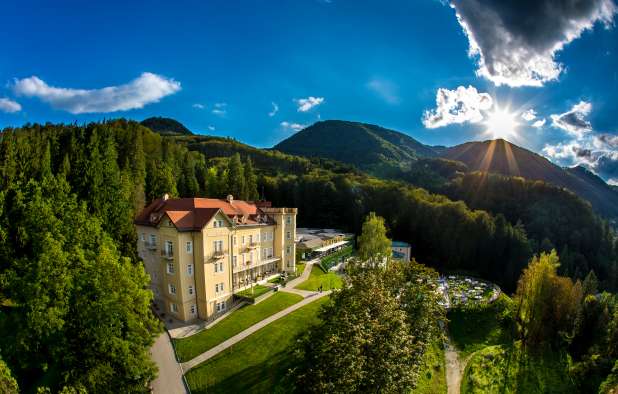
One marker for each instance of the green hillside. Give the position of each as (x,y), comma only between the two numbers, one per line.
(368,147)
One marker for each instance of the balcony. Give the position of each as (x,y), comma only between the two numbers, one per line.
(252,246)
(254,264)
(151,245)
(219,254)
(167,254)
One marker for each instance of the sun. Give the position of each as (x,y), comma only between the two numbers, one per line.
(501,123)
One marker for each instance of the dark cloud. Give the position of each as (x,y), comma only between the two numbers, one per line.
(574,121)
(516,40)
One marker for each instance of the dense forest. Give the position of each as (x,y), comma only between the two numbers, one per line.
(69,274)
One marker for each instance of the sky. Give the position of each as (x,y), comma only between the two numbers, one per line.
(541,73)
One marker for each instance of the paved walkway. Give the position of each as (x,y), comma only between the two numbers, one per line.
(243,334)
(304,276)
(169,380)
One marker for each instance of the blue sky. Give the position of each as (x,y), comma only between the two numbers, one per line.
(258,70)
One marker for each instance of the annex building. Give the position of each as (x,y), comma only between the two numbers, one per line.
(200,251)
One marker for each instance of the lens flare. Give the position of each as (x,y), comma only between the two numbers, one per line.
(501,123)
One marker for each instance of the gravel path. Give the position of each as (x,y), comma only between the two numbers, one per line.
(454,367)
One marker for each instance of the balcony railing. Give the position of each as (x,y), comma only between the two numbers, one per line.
(151,245)
(167,254)
(219,254)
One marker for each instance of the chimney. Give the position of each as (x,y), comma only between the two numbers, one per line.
(166,197)
(229,198)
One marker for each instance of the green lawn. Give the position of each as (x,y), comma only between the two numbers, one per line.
(239,320)
(259,363)
(254,292)
(507,369)
(300,268)
(476,328)
(432,379)
(318,277)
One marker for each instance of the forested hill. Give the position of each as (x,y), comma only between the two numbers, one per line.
(368,147)
(165,126)
(502,157)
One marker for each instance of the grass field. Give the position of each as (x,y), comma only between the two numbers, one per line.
(475,329)
(239,320)
(318,277)
(254,292)
(507,369)
(432,379)
(259,363)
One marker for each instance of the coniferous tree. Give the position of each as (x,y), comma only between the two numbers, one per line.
(236,177)
(250,181)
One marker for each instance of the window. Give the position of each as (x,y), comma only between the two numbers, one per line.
(257,238)
(215,223)
(221,266)
(153,239)
(288,219)
(218,287)
(190,290)
(173,308)
(220,306)
(288,235)
(218,245)
(169,248)
(190,269)
(216,267)
(192,309)
(220,223)
(242,240)
(234,240)
(189,247)
(244,260)
(250,239)
(171,288)
(251,256)
(221,286)
(288,249)
(234,262)
(264,252)
(143,237)
(170,268)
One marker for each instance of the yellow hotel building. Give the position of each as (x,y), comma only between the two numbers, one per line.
(200,251)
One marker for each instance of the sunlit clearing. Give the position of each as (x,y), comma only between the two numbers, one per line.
(501,123)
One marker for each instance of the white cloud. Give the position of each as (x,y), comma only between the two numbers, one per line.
(529,115)
(515,43)
(539,123)
(275,109)
(306,104)
(146,89)
(387,90)
(613,181)
(198,106)
(574,121)
(8,105)
(457,106)
(220,109)
(211,128)
(292,126)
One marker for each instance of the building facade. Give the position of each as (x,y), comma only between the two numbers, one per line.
(402,250)
(200,251)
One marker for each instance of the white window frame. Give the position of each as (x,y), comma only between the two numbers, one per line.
(221,266)
(143,237)
(189,247)
(288,219)
(190,269)
(170,268)
(171,288)
(288,235)
(173,307)
(288,249)
(234,261)
(153,239)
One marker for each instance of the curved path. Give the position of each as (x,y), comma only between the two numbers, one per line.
(186,366)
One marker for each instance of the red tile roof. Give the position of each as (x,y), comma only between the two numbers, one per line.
(189,214)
